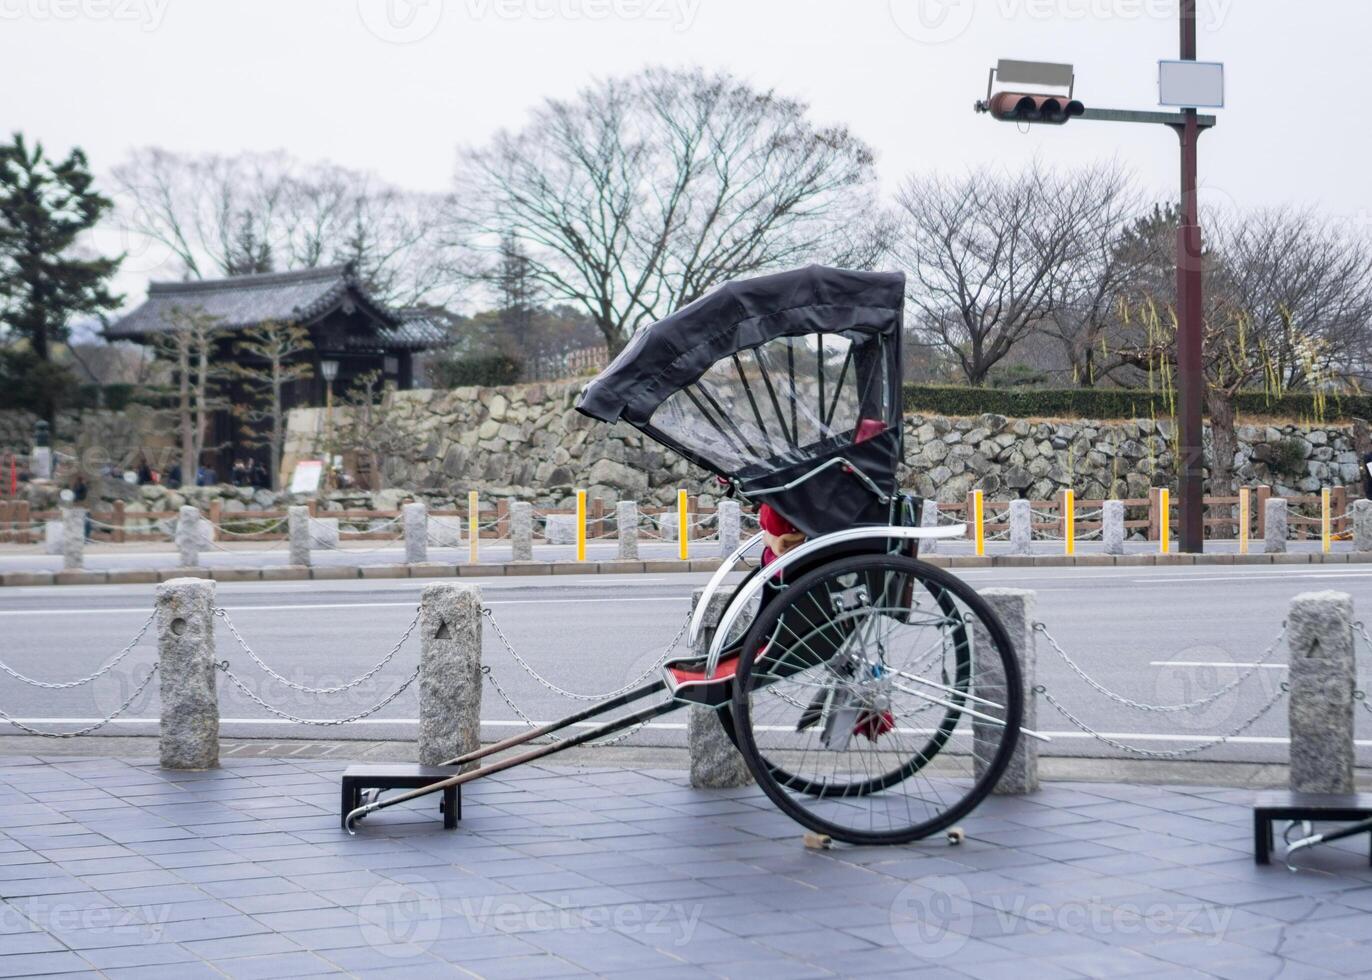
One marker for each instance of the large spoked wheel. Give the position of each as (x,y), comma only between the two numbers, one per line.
(858,694)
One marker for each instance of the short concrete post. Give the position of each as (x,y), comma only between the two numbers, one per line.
(928,517)
(1274,526)
(715,762)
(626,522)
(1021,528)
(1322,678)
(298,527)
(73,537)
(185,660)
(728,516)
(1112,526)
(414,521)
(1362,525)
(449,671)
(188,536)
(522,530)
(1015,609)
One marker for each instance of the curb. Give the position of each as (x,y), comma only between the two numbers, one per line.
(281,573)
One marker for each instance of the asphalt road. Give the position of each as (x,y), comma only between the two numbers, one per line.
(1162,635)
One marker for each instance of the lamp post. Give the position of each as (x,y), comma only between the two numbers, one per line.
(329,369)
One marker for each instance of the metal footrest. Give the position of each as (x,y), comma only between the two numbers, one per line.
(1296,807)
(360,780)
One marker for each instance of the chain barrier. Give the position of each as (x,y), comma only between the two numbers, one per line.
(612,740)
(224,615)
(223,666)
(1202,702)
(89,728)
(1358,694)
(109,666)
(572,695)
(1164,753)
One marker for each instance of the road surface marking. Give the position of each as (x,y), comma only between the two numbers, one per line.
(339,605)
(1212,663)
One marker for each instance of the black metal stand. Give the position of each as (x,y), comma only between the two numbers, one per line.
(360,778)
(1296,807)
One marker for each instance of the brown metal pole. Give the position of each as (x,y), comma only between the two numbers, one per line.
(1190,319)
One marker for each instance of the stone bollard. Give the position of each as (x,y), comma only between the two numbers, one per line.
(449,671)
(1112,526)
(73,537)
(626,521)
(1015,609)
(1021,528)
(298,527)
(1274,530)
(522,530)
(414,521)
(728,516)
(188,536)
(1362,525)
(928,517)
(52,537)
(185,659)
(715,762)
(1322,678)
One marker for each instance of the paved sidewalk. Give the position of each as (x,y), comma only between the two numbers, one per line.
(113,867)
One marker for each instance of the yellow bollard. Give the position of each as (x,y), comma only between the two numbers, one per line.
(1165,531)
(1243,520)
(1325,514)
(683,529)
(979,522)
(473,526)
(581,525)
(1069,522)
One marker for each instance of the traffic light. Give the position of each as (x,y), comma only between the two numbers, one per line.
(1029,108)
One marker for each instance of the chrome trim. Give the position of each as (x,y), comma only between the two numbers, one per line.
(780,564)
(854,469)
(716,580)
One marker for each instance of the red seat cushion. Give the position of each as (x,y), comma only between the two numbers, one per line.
(726,669)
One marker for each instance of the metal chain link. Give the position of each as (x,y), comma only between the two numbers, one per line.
(1163,753)
(621,736)
(1141,706)
(89,728)
(114,661)
(223,665)
(224,615)
(572,695)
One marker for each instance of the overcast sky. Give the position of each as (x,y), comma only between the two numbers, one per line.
(394,87)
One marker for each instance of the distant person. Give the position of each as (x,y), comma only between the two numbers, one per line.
(240,474)
(204,477)
(260,478)
(145,472)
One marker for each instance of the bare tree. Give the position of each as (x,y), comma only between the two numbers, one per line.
(644,192)
(988,254)
(270,361)
(189,348)
(253,212)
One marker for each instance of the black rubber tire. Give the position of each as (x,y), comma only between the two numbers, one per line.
(775,781)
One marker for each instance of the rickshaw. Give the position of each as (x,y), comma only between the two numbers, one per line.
(875,698)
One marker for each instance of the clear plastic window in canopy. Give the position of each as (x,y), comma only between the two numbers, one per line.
(780,403)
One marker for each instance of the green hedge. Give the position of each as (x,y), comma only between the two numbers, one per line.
(489,370)
(1113,403)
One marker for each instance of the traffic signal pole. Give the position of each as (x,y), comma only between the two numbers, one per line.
(1190,323)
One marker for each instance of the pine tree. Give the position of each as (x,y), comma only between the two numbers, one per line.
(45,205)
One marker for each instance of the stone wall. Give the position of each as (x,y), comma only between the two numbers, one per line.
(528,442)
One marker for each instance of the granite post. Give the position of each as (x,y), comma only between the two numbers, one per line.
(626,521)
(1112,526)
(185,658)
(522,530)
(298,529)
(715,762)
(728,516)
(414,521)
(928,517)
(73,537)
(1015,609)
(188,536)
(1322,678)
(1362,525)
(1274,530)
(449,671)
(1021,528)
